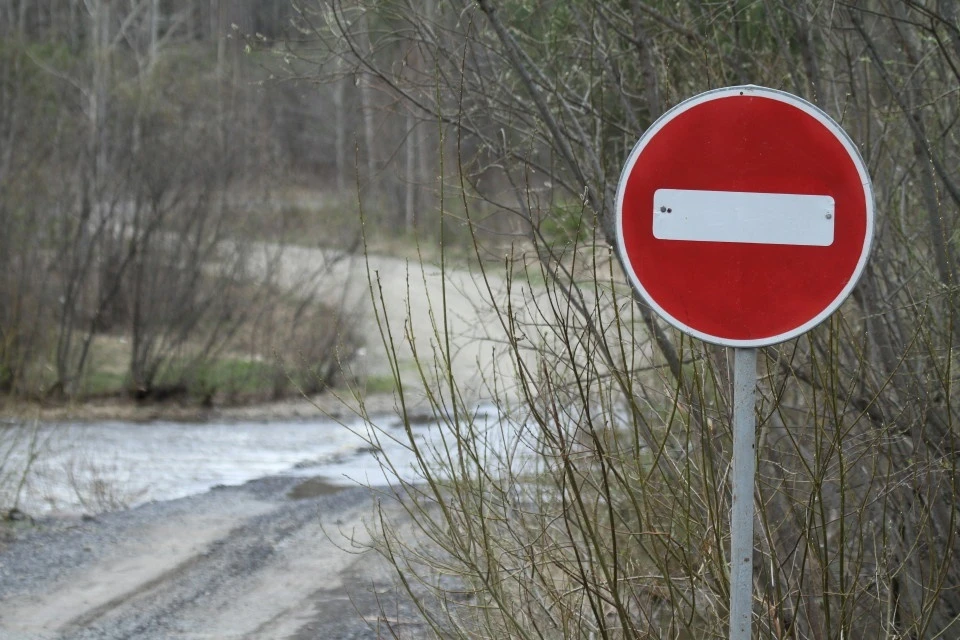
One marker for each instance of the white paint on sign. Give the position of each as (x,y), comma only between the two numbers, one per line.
(745,217)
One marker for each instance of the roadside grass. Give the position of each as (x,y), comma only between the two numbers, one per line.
(231,378)
(379,384)
(100,383)
(297,216)
(310,217)
(228,378)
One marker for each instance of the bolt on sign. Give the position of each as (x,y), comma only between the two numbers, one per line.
(744,216)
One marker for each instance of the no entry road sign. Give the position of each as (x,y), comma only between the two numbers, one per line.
(744,216)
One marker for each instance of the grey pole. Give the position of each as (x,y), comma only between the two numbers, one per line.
(741,512)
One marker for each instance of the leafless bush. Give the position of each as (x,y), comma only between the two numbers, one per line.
(127,144)
(596,504)
(22,445)
(622,529)
(99,486)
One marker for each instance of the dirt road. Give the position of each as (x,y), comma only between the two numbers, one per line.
(422,309)
(263,560)
(275,558)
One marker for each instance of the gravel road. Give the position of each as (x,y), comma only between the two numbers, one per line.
(274,558)
(252,561)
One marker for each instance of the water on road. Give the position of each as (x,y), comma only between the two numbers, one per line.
(85,468)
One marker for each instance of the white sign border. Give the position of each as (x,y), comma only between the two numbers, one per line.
(780,96)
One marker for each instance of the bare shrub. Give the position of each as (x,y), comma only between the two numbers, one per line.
(100,487)
(22,445)
(624,531)
(596,502)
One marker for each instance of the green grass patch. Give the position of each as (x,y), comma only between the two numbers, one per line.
(379,384)
(231,377)
(99,383)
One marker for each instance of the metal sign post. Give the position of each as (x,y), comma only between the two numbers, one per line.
(732,199)
(741,511)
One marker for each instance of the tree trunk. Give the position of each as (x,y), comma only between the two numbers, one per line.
(365,82)
(154,33)
(366,108)
(340,120)
(410,175)
(22,18)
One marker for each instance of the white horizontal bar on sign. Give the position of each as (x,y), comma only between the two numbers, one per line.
(743,216)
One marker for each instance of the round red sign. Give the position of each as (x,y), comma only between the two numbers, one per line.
(744,216)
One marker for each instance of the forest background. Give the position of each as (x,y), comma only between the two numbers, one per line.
(144,141)
(158,158)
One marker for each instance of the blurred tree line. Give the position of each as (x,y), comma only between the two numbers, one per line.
(142,151)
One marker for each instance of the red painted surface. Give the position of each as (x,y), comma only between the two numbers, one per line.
(735,291)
